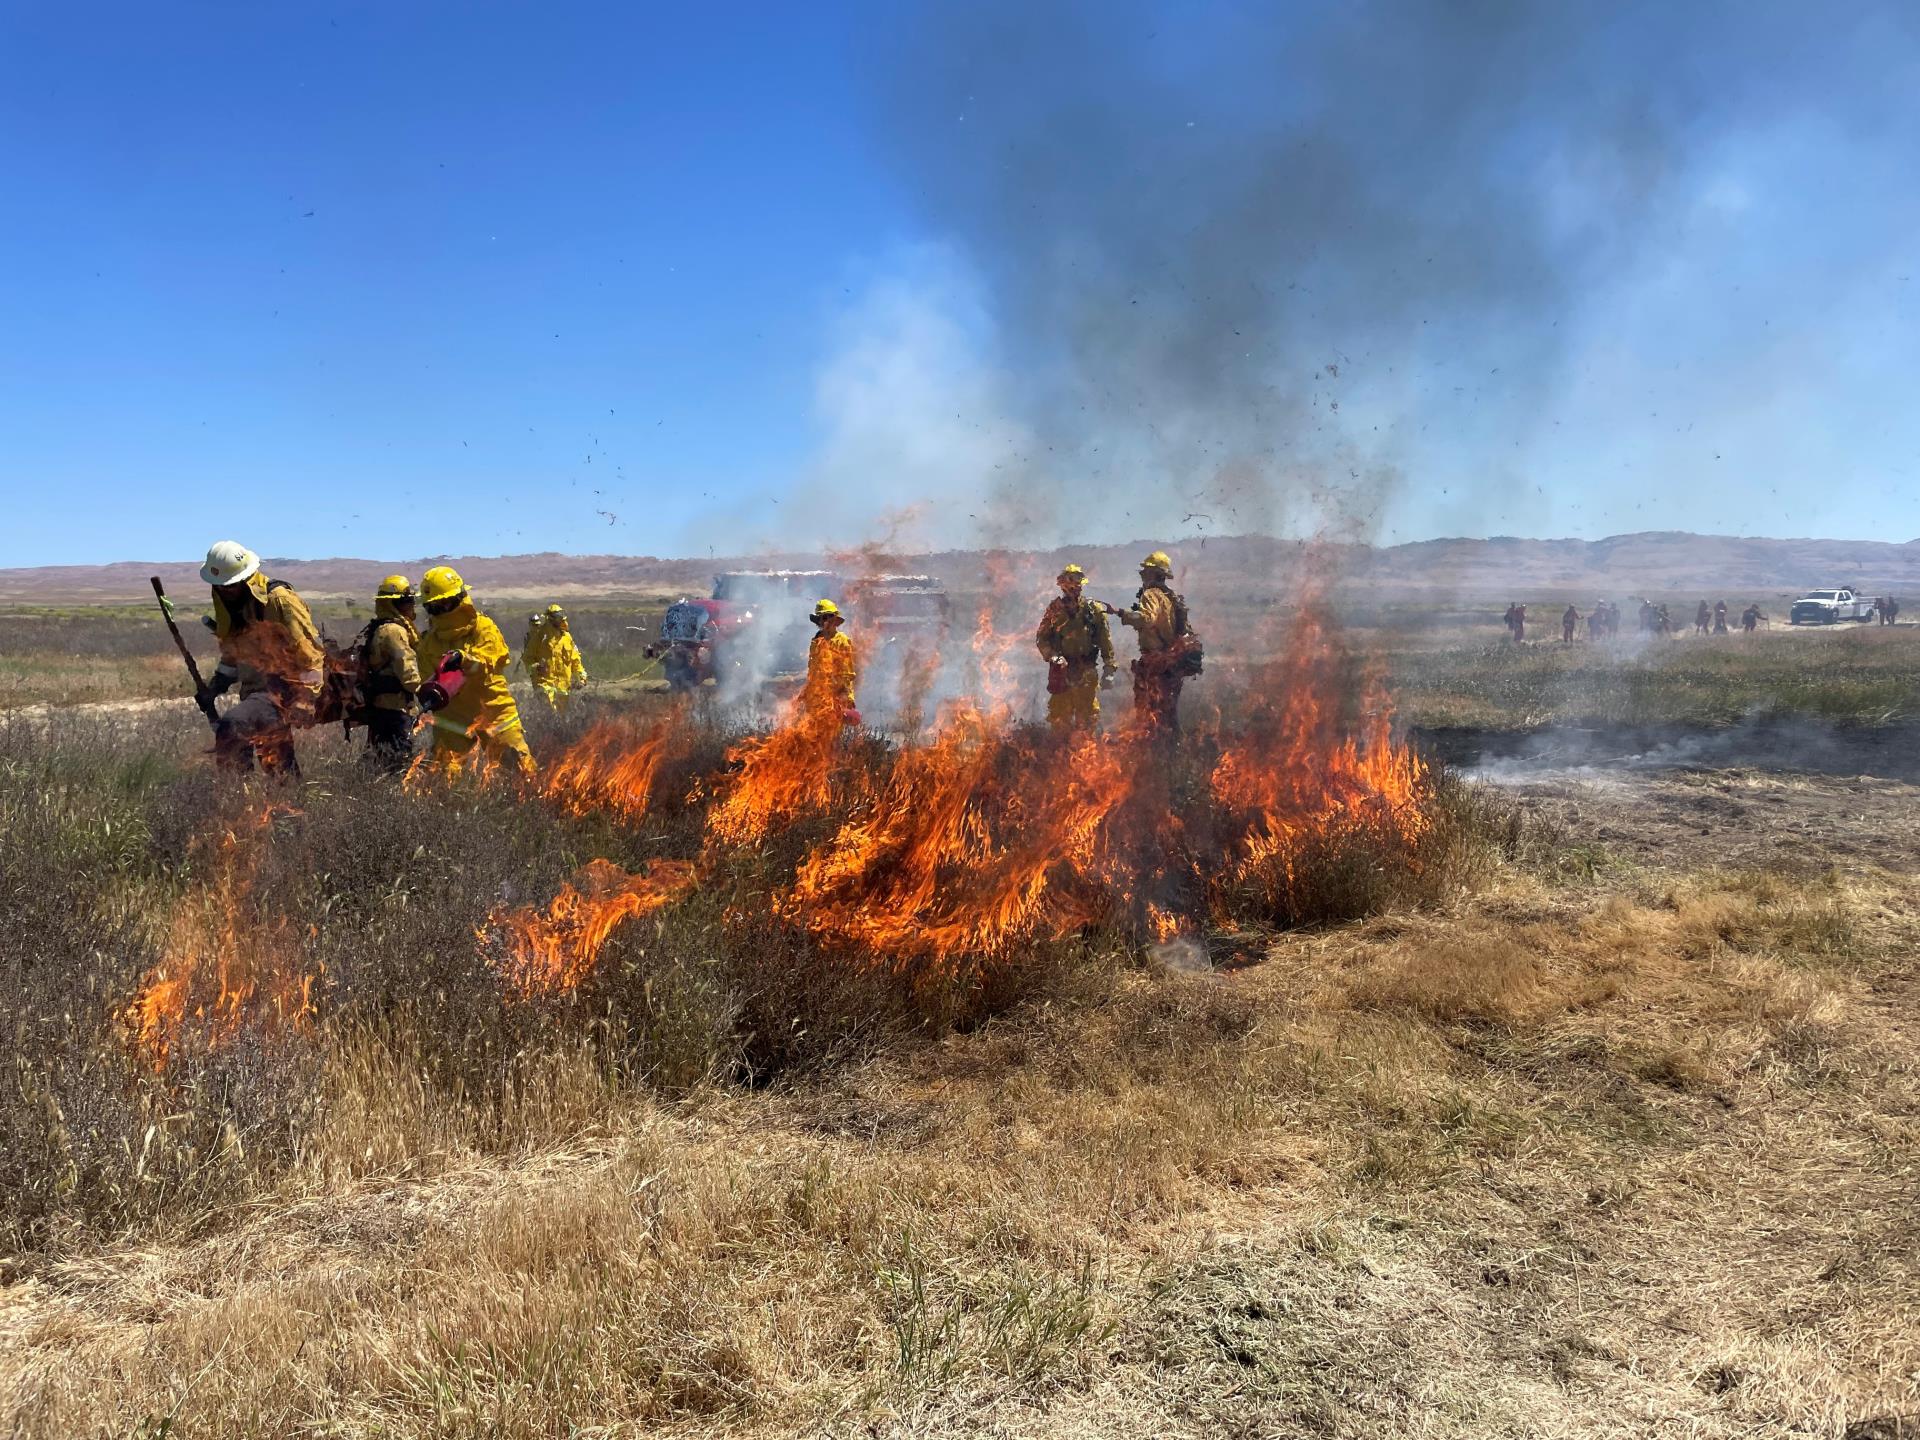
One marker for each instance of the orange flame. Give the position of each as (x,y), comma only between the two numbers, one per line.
(225,966)
(617,766)
(956,852)
(987,834)
(1299,767)
(550,951)
(779,776)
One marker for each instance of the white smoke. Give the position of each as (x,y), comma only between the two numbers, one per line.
(914,418)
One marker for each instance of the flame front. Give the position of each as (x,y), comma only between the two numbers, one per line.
(1299,769)
(550,950)
(617,766)
(987,835)
(226,967)
(963,849)
(779,776)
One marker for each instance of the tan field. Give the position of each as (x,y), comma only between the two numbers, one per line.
(1581,1099)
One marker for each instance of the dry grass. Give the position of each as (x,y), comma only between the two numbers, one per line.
(1561,1161)
(1547,1145)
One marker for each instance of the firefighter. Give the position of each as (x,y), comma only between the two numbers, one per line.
(390,674)
(1569,622)
(832,671)
(466,657)
(1516,622)
(553,659)
(1159,618)
(1719,617)
(1701,619)
(1647,617)
(530,643)
(1072,637)
(1662,621)
(1750,618)
(270,648)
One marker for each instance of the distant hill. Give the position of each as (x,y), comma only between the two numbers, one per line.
(1500,568)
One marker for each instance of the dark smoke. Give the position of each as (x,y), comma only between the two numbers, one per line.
(1232,258)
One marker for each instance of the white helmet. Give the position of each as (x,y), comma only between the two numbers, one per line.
(228,563)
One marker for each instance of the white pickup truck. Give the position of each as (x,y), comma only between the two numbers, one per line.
(1824,607)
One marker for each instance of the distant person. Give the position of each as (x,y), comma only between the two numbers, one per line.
(553,658)
(833,677)
(1169,652)
(1597,622)
(1074,640)
(464,659)
(1893,610)
(1516,622)
(270,648)
(1719,617)
(390,674)
(1613,621)
(1662,621)
(1702,618)
(1750,619)
(1648,617)
(1569,621)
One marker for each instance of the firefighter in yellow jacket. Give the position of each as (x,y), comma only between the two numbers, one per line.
(1074,641)
(1159,618)
(552,658)
(390,674)
(832,671)
(270,648)
(464,657)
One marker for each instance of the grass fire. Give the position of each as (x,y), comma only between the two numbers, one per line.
(999,720)
(904,1058)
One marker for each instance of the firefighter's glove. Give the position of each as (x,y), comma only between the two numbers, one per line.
(457,659)
(1059,660)
(221,683)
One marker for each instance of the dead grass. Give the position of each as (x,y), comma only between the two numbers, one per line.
(1557,1147)
(1559,1162)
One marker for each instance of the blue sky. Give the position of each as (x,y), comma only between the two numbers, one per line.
(397,280)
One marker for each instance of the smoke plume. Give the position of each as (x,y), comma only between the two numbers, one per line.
(1223,267)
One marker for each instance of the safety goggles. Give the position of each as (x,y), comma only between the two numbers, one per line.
(441,607)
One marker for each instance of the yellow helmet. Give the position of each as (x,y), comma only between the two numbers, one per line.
(394,587)
(442,583)
(825,610)
(1071,572)
(556,612)
(1158,560)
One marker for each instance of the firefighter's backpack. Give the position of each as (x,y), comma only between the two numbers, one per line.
(1189,652)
